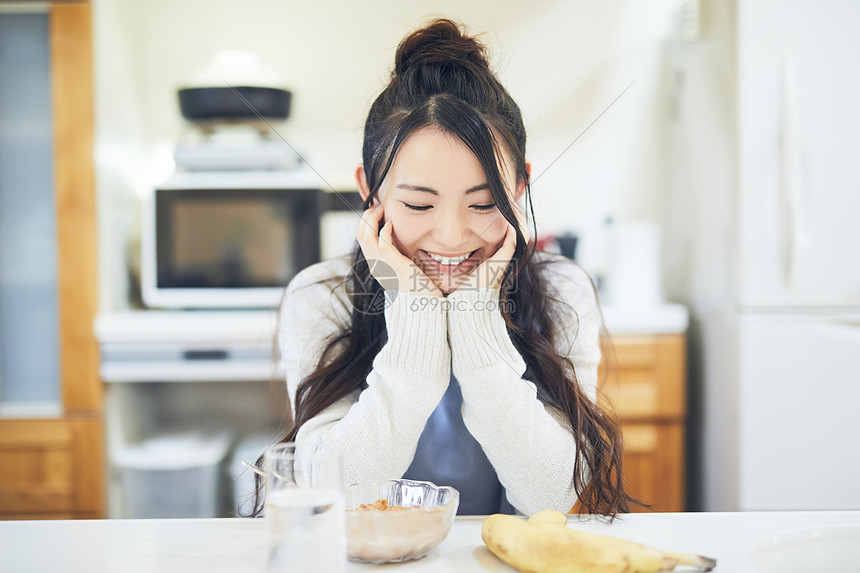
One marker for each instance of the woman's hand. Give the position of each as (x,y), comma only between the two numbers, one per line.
(387,264)
(491,271)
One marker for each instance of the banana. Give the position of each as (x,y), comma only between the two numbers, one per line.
(544,544)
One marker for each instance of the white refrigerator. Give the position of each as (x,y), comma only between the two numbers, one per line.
(799,254)
(779,334)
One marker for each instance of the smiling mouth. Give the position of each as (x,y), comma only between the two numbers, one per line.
(449,261)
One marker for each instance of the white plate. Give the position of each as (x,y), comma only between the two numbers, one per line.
(828,548)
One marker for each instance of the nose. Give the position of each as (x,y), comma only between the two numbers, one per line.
(452,231)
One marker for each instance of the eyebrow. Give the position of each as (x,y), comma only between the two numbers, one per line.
(432,191)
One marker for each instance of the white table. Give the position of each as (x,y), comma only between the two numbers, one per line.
(237,545)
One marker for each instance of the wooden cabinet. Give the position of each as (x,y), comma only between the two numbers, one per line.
(643,378)
(54,467)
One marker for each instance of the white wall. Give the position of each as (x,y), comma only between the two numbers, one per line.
(563,61)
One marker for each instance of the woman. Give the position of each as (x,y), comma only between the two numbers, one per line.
(445,349)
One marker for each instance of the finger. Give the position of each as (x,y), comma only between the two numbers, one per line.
(373,216)
(366,234)
(389,250)
(509,245)
(368,228)
(385,235)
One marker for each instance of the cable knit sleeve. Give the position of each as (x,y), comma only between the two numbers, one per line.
(529,443)
(376,430)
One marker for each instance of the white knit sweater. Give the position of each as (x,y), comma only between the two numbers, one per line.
(529,444)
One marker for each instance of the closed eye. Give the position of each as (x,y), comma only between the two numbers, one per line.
(416,207)
(487,207)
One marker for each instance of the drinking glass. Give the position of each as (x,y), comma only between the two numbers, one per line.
(304,509)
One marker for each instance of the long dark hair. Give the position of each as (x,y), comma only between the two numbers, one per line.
(442,79)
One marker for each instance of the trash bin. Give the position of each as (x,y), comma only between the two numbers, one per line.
(172,475)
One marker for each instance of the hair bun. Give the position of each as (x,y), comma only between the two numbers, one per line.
(440,42)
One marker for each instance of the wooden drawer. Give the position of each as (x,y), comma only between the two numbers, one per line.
(642,377)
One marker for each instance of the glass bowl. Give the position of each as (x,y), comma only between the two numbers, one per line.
(388,521)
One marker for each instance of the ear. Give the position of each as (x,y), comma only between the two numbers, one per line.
(521,185)
(361,181)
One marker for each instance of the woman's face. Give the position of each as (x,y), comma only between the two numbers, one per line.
(438,200)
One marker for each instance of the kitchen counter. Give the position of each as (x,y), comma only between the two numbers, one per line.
(665,318)
(258,326)
(236,545)
(154,345)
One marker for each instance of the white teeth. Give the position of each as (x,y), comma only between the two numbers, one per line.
(449,260)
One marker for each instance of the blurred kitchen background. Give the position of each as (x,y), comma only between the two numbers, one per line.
(700,152)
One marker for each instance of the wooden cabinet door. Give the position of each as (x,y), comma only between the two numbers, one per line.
(653,465)
(54,467)
(50,469)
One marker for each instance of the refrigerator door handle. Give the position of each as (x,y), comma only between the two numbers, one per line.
(790,188)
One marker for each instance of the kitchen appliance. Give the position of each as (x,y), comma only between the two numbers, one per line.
(234,86)
(234,102)
(766,107)
(228,239)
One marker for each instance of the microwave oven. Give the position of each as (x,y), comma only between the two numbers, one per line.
(228,239)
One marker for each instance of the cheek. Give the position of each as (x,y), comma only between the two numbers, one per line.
(403,237)
(495,234)
(407,232)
